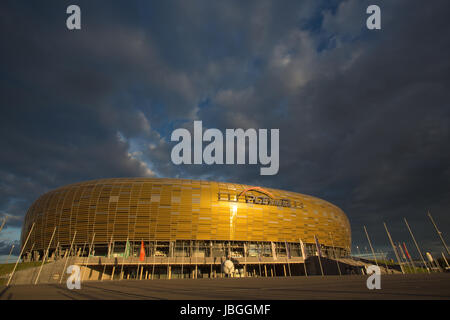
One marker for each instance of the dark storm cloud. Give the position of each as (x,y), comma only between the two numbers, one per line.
(6,246)
(363,115)
(61,115)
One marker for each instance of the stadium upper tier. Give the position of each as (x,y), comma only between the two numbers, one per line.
(147,209)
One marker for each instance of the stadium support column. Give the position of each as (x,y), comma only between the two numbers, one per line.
(123,260)
(335,256)
(84,247)
(167,261)
(109,254)
(319,254)
(393,248)
(245,259)
(211,259)
(18,258)
(182,258)
(259,258)
(87,258)
(259,267)
(155,244)
(114,263)
(112,249)
(169,267)
(196,253)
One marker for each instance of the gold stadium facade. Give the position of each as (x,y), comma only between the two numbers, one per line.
(187,228)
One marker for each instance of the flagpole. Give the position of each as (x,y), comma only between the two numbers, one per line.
(417,246)
(403,255)
(393,247)
(370,244)
(4,222)
(409,257)
(438,232)
(431,259)
(384,258)
(45,256)
(65,264)
(21,251)
(10,251)
(400,255)
(445,259)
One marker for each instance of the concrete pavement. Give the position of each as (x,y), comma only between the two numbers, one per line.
(413,286)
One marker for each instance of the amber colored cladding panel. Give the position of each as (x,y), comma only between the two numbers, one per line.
(176,209)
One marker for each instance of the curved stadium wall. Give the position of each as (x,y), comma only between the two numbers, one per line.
(213,218)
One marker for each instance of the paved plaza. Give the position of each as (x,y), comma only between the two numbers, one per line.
(412,286)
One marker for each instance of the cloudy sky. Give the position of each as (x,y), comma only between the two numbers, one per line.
(364,115)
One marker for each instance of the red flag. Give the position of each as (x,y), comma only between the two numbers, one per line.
(142,254)
(406,251)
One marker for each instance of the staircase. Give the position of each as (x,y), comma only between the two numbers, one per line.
(50,273)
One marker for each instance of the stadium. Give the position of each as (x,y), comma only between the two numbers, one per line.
(147,228)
